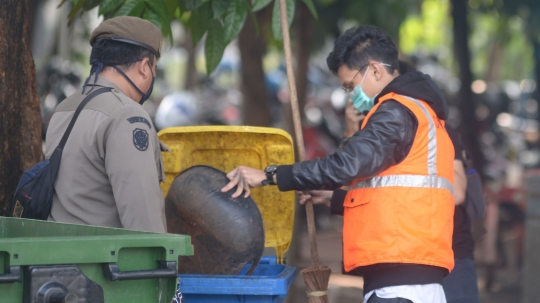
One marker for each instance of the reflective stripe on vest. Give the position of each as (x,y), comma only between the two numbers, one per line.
(407,181)
(432,139)
(417,181)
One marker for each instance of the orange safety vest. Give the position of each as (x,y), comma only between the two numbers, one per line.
(405,214)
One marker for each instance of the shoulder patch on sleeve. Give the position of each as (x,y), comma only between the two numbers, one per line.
(140,139)
(138,119)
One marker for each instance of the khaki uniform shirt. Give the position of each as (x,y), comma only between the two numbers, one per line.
(111,165)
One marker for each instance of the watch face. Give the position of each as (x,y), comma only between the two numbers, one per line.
(270,169)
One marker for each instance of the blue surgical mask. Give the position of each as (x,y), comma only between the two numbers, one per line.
(360,100)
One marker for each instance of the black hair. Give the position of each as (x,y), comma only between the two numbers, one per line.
(360,44)
(122,54)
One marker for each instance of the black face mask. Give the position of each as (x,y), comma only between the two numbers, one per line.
(146,95)
(98,66)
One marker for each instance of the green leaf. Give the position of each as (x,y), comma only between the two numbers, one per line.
(214,46)
(219,7)
(172,8)
(257,5)
(132,8)
(193,4)
(311,7)
(75,10)
(182,5)
(106,6)
(199,21)
(90,4)
(154,18)
(276,18)
(234,19)
(160,8)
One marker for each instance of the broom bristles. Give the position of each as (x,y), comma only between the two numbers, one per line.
(316,280)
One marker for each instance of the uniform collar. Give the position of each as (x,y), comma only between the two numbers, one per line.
(103,82)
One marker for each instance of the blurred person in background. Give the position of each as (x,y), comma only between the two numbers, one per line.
(398,214)
(460,286)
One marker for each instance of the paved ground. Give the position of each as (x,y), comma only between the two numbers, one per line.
(349,289)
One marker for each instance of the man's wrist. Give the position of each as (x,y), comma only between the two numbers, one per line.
(270,174)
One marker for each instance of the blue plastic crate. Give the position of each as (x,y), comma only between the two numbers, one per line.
(269,284)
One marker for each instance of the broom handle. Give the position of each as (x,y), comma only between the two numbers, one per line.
(297,125)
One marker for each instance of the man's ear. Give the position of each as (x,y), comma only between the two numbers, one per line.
(377,71)
(144,68)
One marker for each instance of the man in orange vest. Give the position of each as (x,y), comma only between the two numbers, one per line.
(398,213)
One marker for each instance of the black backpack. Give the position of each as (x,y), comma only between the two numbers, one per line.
(33,197)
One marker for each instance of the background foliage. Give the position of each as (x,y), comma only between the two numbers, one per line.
(220,20)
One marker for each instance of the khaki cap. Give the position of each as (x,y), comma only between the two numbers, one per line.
(131,30)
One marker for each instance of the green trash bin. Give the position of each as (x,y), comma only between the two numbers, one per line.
(49,262)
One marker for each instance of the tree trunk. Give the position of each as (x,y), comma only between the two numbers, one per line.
(191,71)
(304,26)
(536,45)
(496,53)
(469,127)
(20,122)
(256,107)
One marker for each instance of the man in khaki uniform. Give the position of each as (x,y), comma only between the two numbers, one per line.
(111,165)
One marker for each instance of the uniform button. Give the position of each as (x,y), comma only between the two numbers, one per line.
(352,200)
(115,90)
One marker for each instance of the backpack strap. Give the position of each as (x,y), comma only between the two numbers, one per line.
(78,111)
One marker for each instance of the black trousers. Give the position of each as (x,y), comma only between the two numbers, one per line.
(375,299)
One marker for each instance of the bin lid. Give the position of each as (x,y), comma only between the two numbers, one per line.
(225,148)
(36,242)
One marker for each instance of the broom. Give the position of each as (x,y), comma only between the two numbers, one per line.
(316,277)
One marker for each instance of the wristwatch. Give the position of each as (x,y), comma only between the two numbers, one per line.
(270,171)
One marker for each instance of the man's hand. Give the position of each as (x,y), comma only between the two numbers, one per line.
(352,119)
(316,197)
(245,178)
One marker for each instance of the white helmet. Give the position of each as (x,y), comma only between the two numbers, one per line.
(177,109)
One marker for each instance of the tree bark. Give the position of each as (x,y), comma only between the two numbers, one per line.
(536,48)
(20,117)
(496,53)
(191,71)
(256,109)
(469,127)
